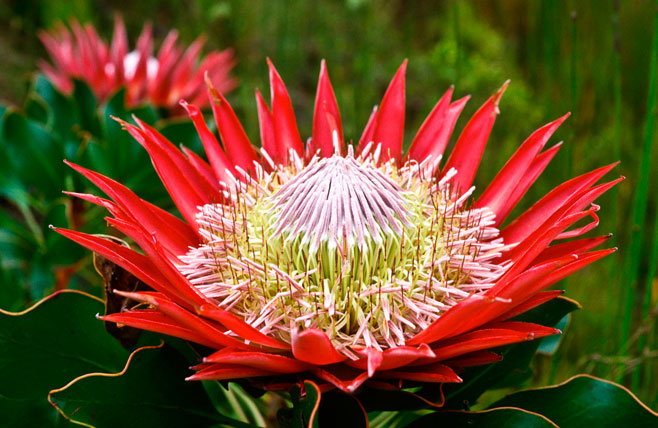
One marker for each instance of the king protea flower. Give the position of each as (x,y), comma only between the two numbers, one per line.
(175,72)
(344,264)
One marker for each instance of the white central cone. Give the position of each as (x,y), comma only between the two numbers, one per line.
(340,201)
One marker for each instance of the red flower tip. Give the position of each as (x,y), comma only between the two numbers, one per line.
(499,94)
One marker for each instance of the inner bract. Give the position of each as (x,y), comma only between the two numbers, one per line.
(370,254)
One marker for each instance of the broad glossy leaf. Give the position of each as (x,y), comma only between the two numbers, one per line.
(49,344)
(499,418)
(32,149)
(86,105)
(585,401)
(21,412)
(514,367)
(151,391)
(64,115)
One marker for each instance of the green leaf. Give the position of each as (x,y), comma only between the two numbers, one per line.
(584,401)
(304,409)
(500,418)
(12,294)
(86,104)
(32,151)
(64,114)
(36,109)
(515,365)
(46,346)
(150,392)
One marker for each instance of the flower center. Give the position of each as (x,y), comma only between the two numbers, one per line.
(369,254)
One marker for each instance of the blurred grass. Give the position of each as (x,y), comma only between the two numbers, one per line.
(589,57)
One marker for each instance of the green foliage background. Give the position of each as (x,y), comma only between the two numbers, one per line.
(589,57)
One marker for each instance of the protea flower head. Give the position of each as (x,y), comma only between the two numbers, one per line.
(345,263)
(175,72)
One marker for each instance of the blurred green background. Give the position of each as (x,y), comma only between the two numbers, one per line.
(594,58)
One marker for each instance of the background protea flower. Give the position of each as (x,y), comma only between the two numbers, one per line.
(345,264)
(175,72)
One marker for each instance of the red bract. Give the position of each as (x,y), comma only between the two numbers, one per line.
(272,321)
(175,72)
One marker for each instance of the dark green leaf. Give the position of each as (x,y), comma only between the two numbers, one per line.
(514,367)
(584,401)
(12,294)
(500,418)
(151,392)
(85,102)
(37,110)
(22,412)
(48,345)
(64,115)
(32,151)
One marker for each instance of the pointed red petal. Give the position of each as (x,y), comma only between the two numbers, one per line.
(136,84)
(477,358)
(435,373)
(427,135)
(368,131)
(534,171)
(349,384)
(176,241)
(258,360)
(495,196)
(533,302)
(492,336)
(389,124)
(267,137)
(325,103)
(394,358)
(135,263)
(156,321)
(119,49)
(477,310)
(228,372)
(213,150)
(188,320)
(313,346)
(452,322)
(564,271)
(529,221)
(97,200)
(435,133)
(201,167)
(187,191)
(465,158)
(238,326)
(236,144)
(285,125)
